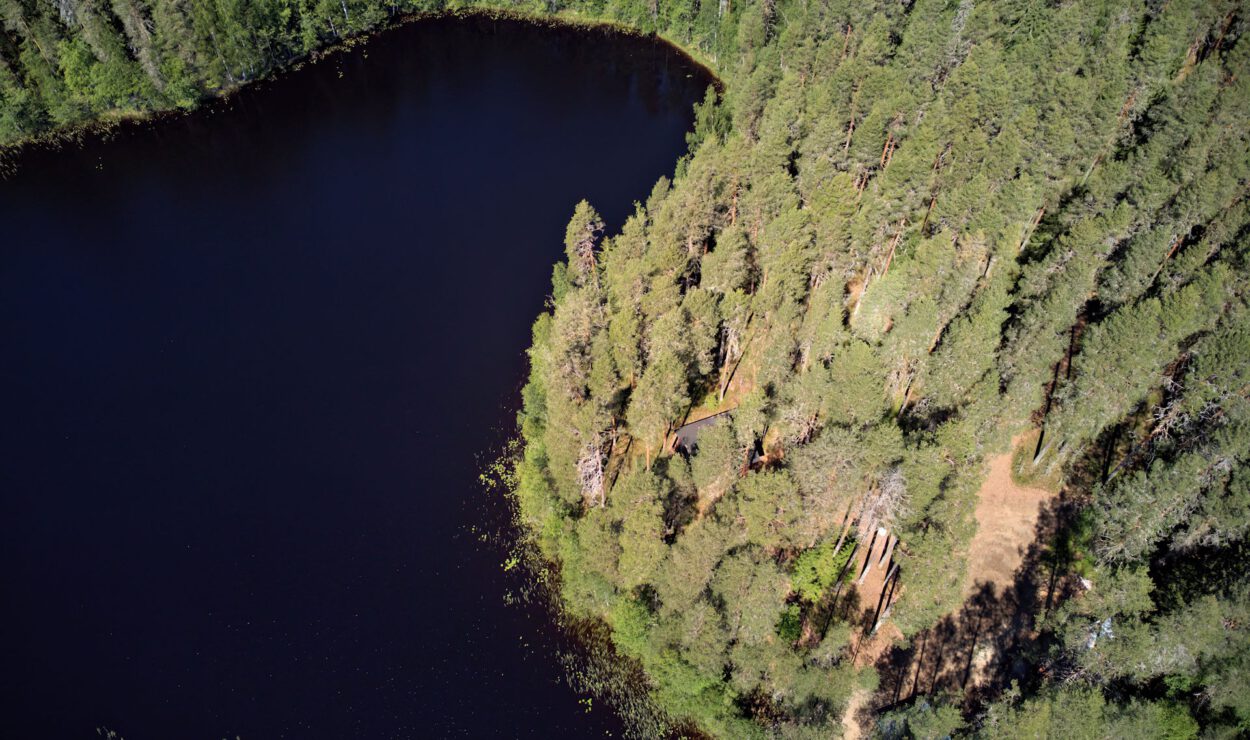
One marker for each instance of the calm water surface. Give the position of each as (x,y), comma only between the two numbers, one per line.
(249,360)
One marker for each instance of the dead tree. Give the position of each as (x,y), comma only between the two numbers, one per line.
(898,236)
(586,253)
(889,590)
(1176,243)
(887,151)
(1028,230)
(850,129)
(863,573)
(590,473)
(886,506)
(891,541)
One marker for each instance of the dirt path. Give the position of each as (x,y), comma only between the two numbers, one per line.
(1007,516)
(851,727)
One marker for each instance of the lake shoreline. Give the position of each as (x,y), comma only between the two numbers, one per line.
(76,134)
(231,352)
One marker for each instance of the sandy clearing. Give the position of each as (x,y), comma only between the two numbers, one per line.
(964,651)
(1007,516)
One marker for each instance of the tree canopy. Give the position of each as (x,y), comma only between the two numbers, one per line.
(904,234)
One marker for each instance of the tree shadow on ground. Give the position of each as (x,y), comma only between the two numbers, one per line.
(974,654)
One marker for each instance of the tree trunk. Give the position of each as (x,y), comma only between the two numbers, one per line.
(846,529)
(1176,243)
(863,573)
(1039,451)
(1037,219)
(898,235)
(911,378)
(891,541)
(850,129)
(842,573)
(883,609)
(222,58)
(924,224)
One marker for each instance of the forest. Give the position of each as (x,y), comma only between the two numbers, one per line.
(905,235)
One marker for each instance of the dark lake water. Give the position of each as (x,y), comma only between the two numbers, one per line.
(251,361)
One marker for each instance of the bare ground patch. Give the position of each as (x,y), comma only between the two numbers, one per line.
(1007,515)
(973,653)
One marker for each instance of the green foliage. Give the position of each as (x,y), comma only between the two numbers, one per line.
(923,720)
(638,498)
(817,569)
(790,626)
(902,231)
(711,121)
(1080,713)
(716,462)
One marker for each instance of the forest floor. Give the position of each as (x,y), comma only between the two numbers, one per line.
(852,728)
(1007,515)
(972,651)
